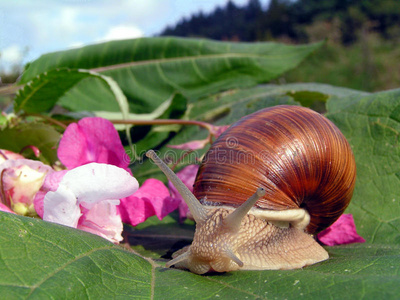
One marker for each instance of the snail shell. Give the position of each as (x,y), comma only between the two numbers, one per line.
(298,156)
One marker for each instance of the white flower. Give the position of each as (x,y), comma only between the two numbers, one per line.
(86,199)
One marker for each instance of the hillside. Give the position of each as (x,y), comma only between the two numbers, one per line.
(362,36)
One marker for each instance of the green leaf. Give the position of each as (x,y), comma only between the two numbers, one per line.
(40,260)
(372,126)
(45,90)
(150,70)
(42,136)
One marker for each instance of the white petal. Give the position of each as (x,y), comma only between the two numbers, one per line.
(61,207)
(95,182)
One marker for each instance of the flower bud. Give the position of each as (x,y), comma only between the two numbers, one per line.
(21,179)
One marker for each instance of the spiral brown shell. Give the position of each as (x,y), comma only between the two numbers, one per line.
(297,155)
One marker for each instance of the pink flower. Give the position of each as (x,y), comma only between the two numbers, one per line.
(92,140)
(151,199)
(86,198)
(21,179)
(96,140)
(187,175)
(343,231)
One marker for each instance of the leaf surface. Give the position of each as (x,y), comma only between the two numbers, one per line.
(372,126)
(40,260)
(150,70)
(40,135)
(46,89)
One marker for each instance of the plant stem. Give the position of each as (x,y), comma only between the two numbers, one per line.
(49,119)
(163,122)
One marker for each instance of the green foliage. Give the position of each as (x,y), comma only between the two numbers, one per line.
(369,65)
(371,125)
(44,137)
(193,80)
(149,71)
(43,92)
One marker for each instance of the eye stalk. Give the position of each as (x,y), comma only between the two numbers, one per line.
(196,209)
(234,219)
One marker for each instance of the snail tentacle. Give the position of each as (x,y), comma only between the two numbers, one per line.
(234,219)
(229,253)
(184,256)
(198,211)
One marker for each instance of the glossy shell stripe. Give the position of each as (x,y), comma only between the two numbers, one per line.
(297,155)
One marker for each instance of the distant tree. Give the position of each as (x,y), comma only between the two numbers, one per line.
(291,18)
(278,19)
(254,18)
(384,14)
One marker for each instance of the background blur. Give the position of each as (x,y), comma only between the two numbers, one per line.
(362,49)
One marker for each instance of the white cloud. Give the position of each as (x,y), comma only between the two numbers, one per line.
(122,32)
(12,54)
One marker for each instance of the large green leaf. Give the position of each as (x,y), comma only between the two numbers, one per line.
(39,260)
(372,126)
(150,70)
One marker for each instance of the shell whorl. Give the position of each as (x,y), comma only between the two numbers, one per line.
(298,156)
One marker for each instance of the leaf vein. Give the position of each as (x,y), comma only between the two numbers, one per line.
(62,267)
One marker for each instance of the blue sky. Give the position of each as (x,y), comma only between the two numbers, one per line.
(29,28)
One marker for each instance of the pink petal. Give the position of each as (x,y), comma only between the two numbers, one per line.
(92,140)
(6,154)
(187,175)
(5,208)
(33,164)
(152,198)
(192,145)
(102,219)
(343,231)
(218,130)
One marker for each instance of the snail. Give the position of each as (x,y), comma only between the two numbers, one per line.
(268,184)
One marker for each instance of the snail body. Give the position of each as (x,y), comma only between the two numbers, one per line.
(266,185)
